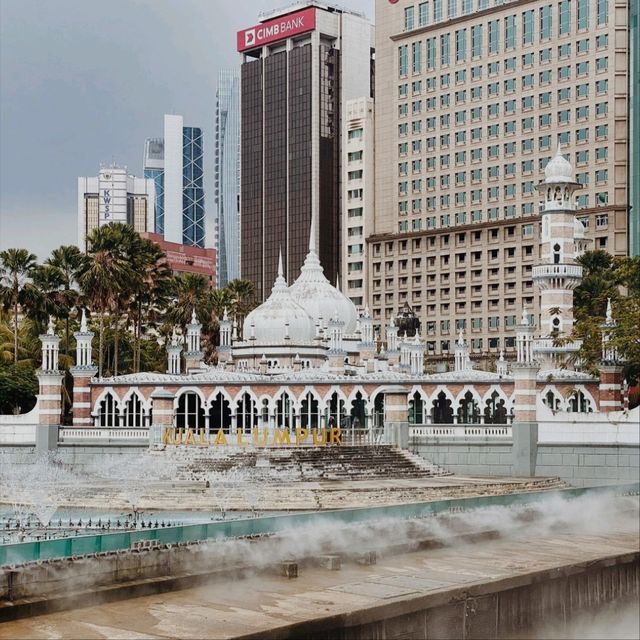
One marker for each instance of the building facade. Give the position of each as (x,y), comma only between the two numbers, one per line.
(114,196)
(357,195)
(227,175)
(175,163)
(299,67)
(474,97)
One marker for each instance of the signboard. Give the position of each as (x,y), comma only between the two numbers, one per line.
(277,29)
(258,438)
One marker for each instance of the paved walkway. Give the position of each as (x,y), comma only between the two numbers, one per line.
(260,603)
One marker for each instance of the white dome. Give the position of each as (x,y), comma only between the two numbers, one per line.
(319,297)
(558,169)
(267,323)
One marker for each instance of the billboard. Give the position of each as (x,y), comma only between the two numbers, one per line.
(277,29)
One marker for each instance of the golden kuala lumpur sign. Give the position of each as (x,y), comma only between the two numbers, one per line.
(258,438)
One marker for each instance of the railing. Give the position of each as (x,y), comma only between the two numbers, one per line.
(502,431)
(102,434)
(557,271)
(547,345)
(355,437)
(65,547)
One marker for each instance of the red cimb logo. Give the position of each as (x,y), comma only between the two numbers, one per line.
(393,1)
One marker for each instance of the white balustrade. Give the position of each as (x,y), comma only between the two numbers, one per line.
(102,434)
(502,431)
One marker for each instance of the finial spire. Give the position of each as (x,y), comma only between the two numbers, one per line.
(525,316)
(338,281)
(609,312)
(50,328)
(194,319)
(559,150)
(312,234)
(225,314)
(461,337)
(174,338)
(83,322)
(280,269)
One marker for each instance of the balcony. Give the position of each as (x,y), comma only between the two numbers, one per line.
(557,276)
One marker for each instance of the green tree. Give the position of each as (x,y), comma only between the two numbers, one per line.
(18,389)
(16,267)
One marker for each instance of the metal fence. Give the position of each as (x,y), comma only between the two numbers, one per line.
(77,546)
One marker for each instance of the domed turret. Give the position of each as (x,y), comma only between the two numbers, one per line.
(314,292)
(280,318)
(558,169)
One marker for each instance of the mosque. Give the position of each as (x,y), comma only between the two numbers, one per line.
(307,359)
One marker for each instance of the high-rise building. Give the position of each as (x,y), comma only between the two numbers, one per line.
(114,196)
(357,195)
(474,97)
(299,67)
(227,174)
(175,163)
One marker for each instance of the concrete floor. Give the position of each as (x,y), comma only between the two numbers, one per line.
(259,603)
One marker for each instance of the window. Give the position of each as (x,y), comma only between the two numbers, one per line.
(602,41)
(476,41)
(545,99)
(461,45)
(564,50)
(583,14)
(602,64)
(444,49)
(564,116)
(354,156)
(582,68)
(510,32)
(602,153)
(564,17)
(403,53)
(582,91)
(603,11)
(583,46)
(408,18)
(564,73)
(601,176)
(545,55)
(416,57)
(602,131)
(527,58)
(494,35)
(527,27)
(423,14)
(431,53)
(545,22)
(602,86)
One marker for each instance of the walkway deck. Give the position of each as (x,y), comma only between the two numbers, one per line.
(273,607)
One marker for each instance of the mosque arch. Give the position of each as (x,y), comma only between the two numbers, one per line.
(246,412)
(468,408)
(495,409)
(189,412)
(336,409)
(108,413)
(441,409)
(134,413)
(552,399)
(220,413)
(310,411)
(580,401)
(285,416)
(417,408)
(358,410)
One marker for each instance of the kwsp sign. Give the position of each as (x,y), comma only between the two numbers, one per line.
(279,437)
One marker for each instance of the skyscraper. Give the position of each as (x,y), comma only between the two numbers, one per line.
(114,196)
(227,174)
(175,163)
(475,96)
(299,67)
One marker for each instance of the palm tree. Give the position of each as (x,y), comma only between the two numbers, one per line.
(242,293)
(16,266)
(68,261)
(189,291)
(105,275)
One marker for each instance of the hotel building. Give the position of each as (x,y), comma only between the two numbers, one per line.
(473,98)
(114,196)
(299,68)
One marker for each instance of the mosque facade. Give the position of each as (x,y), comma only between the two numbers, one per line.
(307,360)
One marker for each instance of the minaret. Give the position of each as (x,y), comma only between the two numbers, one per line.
(82,373)
(50,391)
(336,350)
(174,349)
(367,345)
(611,384)
(193,354)
(393,353)
(224,350)
(558,274)
(461,354)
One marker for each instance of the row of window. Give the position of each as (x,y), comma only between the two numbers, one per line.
(433,11)
(582,135)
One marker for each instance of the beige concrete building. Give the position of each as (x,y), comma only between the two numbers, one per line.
(472,99)
(357,195)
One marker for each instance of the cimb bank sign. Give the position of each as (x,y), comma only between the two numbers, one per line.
(277,29)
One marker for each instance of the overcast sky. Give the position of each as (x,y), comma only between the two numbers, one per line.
(84,82)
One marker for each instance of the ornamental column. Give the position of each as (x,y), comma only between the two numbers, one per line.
(82,373)
(396,416)
(162,413)
(193,355)
(224,350)
(174,349)
(50,392)
(610,368)
(525,381)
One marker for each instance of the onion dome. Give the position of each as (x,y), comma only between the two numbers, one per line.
(318,296)
(558,169)
(279,318)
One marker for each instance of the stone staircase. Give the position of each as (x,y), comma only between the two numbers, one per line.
(301,464)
